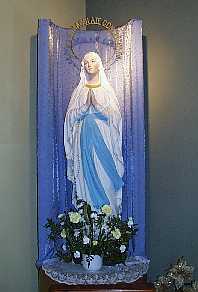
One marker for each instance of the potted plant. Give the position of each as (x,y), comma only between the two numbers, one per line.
(87,235)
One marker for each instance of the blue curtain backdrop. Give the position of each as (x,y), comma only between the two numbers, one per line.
(58,75)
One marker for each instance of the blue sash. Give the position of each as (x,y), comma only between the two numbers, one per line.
(92,139)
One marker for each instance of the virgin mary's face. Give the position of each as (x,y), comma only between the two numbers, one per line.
(91,63)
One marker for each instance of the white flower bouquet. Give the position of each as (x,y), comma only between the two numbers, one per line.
(85,231)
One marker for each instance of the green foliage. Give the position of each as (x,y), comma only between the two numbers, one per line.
(54,229)
(67,257)
(85,231)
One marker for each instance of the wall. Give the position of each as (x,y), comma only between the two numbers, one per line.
(18,27)
(170,27)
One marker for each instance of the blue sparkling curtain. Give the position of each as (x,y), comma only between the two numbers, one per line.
(58,75)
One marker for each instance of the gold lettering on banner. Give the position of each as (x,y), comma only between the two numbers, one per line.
(99,21)
(92,21)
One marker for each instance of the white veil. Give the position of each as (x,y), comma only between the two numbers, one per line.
(76,102)
(107,104)
(108,101)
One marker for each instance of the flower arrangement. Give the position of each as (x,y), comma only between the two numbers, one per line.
(85,231)
(179,277)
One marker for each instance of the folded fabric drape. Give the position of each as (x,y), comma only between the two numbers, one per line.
(58,75)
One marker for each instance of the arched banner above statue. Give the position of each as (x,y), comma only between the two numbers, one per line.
(60,86)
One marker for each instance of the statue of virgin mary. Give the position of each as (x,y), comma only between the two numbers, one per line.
(93,138)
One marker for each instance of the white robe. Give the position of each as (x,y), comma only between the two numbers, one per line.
(106,103)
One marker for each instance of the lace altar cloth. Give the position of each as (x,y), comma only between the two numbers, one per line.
(75,274)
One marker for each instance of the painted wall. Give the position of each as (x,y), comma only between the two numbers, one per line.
(18,27)
(170,27)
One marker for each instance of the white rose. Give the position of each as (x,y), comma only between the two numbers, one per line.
(63,233)
(74,217)
(130,222)
(122,248)
(76,233)
(64,247)
(116,233)
(86,240)
(77,254)
(106,209)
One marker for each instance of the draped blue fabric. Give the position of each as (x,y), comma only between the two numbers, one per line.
(58,75)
